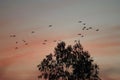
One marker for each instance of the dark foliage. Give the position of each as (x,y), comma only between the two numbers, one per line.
(68,63)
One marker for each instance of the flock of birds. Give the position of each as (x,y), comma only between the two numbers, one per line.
(45,41)
(25,42)
(85,28)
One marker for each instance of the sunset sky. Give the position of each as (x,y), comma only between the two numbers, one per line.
(21,17)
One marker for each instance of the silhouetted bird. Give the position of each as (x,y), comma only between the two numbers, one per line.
(50,25)
(33,32)
(75,40)
(54,41)
(79,21)
(97,29)
(23,40)
(90,27)
(26,43)
(79,34)
(16,47)
(82,36)
(12,35)
(43,43)
(84,23)
(45,40)
(16,42)
(83,28)
(87,29)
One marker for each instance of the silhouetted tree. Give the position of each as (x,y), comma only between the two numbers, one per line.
(68,63)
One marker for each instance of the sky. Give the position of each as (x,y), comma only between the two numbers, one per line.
(21,17)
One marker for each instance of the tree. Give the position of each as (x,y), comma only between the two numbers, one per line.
(68,63)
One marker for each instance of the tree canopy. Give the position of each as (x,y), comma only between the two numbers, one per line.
(68,63)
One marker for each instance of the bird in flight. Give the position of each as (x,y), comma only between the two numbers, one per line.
(84,23)
(90,27)
(97,29)
(16,47)
(43,43)
(12,35)
(45,40)
(75,40)
(50,25)
(87,29)
(26,43)
(16,42)
(23,40)
(79,21)
(82,36)
(83,28)
(79,34)
(54,41)
(33,32)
